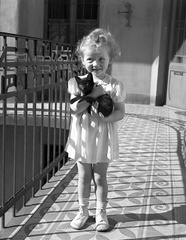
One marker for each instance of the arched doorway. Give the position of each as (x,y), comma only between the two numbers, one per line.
(69,20)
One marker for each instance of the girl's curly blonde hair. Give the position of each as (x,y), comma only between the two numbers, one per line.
(97,39)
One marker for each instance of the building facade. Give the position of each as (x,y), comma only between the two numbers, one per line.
(151,35)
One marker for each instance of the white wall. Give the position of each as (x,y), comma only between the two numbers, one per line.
(9,16)
(140,45)
(25,17)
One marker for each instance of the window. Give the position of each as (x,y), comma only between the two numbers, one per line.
(87,9)
(70,20)
(58,9)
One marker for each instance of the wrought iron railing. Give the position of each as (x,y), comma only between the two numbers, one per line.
(34,115)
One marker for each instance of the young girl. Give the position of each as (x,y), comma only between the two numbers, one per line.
(93,140)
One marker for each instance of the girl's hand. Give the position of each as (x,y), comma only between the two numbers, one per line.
(94,112)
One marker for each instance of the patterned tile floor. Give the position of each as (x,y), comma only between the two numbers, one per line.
(146,187)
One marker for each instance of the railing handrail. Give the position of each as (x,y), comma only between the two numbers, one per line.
(33,38)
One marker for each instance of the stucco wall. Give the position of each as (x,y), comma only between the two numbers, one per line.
(138,65)
(8,16)
(31,17)
(25,17)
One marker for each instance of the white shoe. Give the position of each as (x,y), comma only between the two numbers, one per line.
(102,223)
(81,218)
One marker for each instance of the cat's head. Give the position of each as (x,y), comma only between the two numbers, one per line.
(85,85)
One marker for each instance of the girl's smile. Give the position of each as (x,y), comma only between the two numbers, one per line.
(96,61)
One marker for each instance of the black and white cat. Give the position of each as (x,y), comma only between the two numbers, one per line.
(105,103)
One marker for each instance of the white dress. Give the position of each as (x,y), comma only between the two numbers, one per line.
(89,140)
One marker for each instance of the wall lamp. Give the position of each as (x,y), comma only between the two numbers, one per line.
(127,12)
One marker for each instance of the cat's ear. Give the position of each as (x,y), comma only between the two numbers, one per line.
(90,77)
(78,79)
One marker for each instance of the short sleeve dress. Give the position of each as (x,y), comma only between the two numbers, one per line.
(89,140)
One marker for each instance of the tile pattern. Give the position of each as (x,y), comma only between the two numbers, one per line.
(146,187)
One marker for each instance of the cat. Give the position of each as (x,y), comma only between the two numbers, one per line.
(85,86)
(105,103)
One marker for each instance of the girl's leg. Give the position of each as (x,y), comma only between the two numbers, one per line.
(84,180)
(84,187)
(101,188)
(100,180)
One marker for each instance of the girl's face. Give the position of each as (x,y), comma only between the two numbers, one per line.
(96,61)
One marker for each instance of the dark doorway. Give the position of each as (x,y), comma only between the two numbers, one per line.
(176,88)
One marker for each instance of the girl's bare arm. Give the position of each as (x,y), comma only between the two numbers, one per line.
(79,106)
(116,115)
